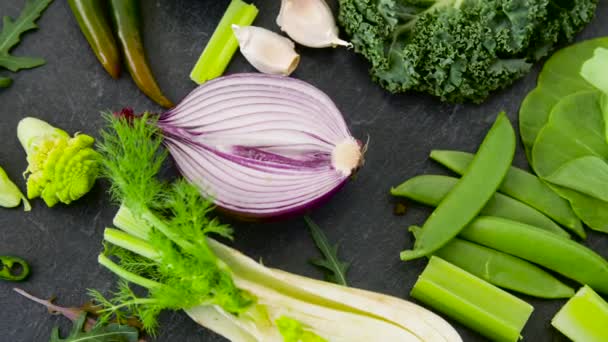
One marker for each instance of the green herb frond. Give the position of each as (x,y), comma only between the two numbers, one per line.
(190,213)
(132,157)
(133,262)
(124,305)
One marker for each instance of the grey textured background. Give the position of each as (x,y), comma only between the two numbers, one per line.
(62,243)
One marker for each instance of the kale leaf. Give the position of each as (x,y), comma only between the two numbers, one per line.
(458,50)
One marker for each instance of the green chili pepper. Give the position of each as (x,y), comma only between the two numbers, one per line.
(5,82)
(127,20)
(501,269)
(471,193)
(554,252)
(91,17)
(523,186)
(431,189)
(8,265)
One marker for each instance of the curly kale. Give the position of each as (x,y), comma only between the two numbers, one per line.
(458,50)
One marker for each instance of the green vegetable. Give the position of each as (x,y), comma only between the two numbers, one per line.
(110,333)
(559,78)
(62,169)
(520,185)
(5,82)
(501,269)
(458,50)
(551,251)
(91,16)
(10,195)
(126,17)
(492,312)
(468,197)
(13,268)
(594,70)
(223,44)
(163,247)
(12,31)
(570,151)
(431,189)
(584,317)
(336,269)
(292,331)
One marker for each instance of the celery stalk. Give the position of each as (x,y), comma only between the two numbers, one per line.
(584,318)
(472,301)
(223,44)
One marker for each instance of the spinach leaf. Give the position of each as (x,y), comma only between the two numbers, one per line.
(571,151)
(590,210)
(588,175)
(560,77)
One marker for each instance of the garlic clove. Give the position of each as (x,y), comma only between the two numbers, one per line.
(268,52)
(310,23)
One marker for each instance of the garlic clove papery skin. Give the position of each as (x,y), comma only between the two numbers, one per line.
(310,23)
(268,52)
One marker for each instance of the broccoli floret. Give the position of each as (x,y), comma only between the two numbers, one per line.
(458,50)
(61,168)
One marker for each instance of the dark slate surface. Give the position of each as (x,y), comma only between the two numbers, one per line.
(62,243)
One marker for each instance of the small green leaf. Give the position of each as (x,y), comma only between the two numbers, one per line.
(108,333)
(336,269)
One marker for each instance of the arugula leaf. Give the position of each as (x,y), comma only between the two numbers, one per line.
(108,333)
(12,31)
(336,269)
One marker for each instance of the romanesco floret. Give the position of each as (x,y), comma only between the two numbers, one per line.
(61,168)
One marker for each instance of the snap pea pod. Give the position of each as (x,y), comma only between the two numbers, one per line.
(554,252)
(7,268)
(520,185)
(501,269)
(431,189)
(471,193)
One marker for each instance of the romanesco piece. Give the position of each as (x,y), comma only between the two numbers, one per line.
(10,195)
(61,168)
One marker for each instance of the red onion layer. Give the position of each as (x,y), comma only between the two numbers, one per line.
(260,145)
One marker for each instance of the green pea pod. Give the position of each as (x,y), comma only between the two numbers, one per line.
(91,17)
(522,186)
(8,265)
(471,193)
(431,189)
(127,19)
(501,269)
(10,195)
(551,251)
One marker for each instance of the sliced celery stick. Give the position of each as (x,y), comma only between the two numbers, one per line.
(584,318)
(483,307)
(223,44)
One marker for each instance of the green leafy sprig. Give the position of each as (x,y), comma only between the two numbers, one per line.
(335,269)
(107,333)
(11,35)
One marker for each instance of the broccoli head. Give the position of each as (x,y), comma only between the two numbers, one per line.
(458,50)
(61,168)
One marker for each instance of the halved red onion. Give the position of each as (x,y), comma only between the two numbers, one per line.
(261,146)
